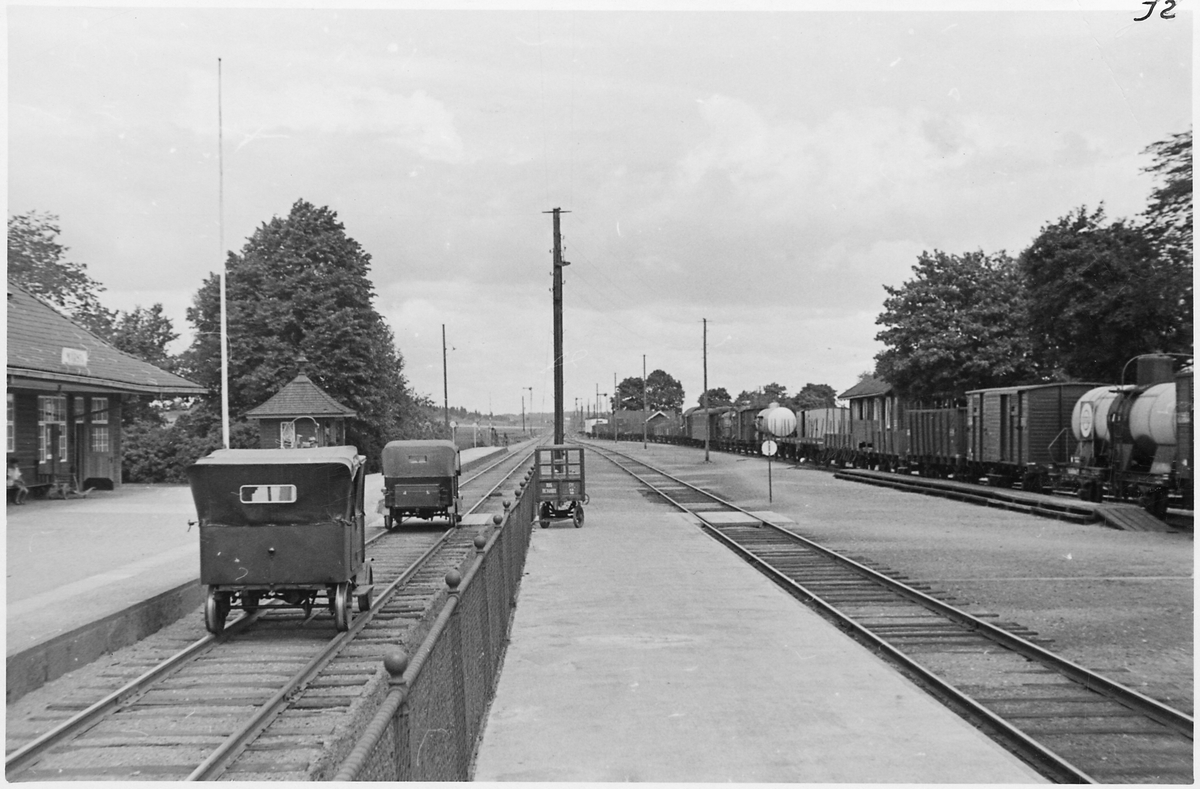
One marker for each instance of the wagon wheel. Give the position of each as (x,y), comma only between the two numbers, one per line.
(364,599)
(387,522)
(250,601)
(216,608)
(1155,503)
(307,606)
(545,523)
(577,516)
(341,607)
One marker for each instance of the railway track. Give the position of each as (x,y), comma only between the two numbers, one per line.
(265,698)
(1074,725)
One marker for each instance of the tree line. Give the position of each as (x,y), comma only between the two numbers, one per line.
(1086,296)
(299,287)
(662,392)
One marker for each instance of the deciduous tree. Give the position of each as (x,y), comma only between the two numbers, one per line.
(716,397)
(1099,294)
(1168,222)
(38,263)
(958,324)
(300,286)
(814,396)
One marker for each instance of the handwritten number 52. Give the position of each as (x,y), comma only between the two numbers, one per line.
(1165,13)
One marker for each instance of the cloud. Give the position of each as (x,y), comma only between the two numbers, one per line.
(416,121)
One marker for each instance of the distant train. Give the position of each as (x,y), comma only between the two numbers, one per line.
(1131,442)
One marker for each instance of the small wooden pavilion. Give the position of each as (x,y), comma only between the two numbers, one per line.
(301,415)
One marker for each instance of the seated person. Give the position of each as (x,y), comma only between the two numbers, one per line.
(21,492)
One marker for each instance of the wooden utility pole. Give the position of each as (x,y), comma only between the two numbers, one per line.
(645,404)
(445,387)
(613,409)
(530,388)
(558,327)
(704,397)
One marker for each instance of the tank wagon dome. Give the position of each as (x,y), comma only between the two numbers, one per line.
(780,421)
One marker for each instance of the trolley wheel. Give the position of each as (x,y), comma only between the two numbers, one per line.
(341,607)
(364,600)
(577,516)
(250,602)
(545,523)
(216,608)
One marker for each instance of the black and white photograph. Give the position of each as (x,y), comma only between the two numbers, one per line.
(788,391)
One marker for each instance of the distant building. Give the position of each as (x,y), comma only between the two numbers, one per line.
(65,390)
(299,415)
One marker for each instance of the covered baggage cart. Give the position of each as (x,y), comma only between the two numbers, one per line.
(420,479)
(281,523)
(560,484)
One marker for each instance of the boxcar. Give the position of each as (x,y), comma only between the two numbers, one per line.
(1017,432)
(420,479)
(281,523)
(713,423)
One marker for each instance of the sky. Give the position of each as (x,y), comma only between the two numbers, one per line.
(763,170)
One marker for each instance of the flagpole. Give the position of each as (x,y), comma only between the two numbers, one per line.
(221,234)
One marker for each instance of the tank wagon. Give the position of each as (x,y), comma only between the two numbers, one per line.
(1134,441)
(281,523)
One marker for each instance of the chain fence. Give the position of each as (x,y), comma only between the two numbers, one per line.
(429,723)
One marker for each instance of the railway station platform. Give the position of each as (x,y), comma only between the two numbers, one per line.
(87,576)
(642,650)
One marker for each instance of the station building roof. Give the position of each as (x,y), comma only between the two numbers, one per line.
(46,347)
(867,387)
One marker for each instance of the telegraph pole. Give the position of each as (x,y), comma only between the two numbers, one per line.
(558,327)
(445,386)
(707,420)
(645,404)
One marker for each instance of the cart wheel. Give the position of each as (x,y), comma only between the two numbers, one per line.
(216,608)
(578,515)
(341,607)
(250,601)
(364,600)
(387,522)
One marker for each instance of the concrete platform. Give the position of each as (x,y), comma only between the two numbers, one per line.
(89,576)
(644,651)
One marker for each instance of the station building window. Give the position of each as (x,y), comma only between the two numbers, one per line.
(12,425)
(52,413)
(100,436)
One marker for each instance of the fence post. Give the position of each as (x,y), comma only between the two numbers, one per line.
(396,663)
(462,747)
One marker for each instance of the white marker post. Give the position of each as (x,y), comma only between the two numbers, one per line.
(778,422)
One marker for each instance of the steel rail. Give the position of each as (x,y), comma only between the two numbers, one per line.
(84,719)
(1164,714)
(28,753)
(218,761)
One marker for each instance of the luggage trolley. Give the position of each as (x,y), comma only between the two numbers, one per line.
(559,483)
